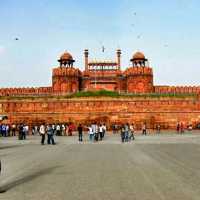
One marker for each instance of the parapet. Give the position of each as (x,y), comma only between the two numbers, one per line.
(133,71)
(177,89)
(25,91)
(66,71)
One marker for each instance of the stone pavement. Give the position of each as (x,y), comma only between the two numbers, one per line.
(155,167)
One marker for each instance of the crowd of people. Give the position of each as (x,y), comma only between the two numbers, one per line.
(96,131)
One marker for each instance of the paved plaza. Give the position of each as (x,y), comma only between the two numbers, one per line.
(155,167)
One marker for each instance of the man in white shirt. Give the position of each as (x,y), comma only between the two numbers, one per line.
(101,131)
(42,133)
(104,130)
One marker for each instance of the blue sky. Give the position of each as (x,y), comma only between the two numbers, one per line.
(169,36)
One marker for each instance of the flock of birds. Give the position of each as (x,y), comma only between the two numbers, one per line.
(139,36)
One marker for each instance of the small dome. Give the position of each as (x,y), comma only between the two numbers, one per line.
(66,56)
(138,56)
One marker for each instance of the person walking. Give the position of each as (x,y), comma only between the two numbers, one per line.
(101,131)
(26,127)
(50,133)
(42,133)
(144,129)
(178,127)
(58,132)
(3,128)
(126,127)
(122,133)
(96,133)
(62,129)
(80,133)
(181,128)
(131,132)
(7,130)
(104,130)
(13,127)
(23,132)
(20,132)
(91,134)
(158,128)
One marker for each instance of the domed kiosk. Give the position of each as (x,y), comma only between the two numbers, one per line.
(140,75)
(138,60)
(66,60)
(66,78)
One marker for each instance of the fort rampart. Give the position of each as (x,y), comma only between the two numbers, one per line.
(164,111)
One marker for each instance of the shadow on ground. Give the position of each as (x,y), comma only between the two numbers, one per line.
(27,178)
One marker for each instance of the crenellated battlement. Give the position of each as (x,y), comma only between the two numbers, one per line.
(25,91)
(133,71)
(177,89)
(66,71)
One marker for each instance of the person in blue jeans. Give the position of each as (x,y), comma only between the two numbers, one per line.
(126,127)
(50,133)
(122,133)
(91,134)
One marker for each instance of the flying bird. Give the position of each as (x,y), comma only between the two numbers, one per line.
(103,48)
(16,38)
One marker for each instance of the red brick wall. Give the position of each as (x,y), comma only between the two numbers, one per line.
(139,80)
(65,80)
(165,111)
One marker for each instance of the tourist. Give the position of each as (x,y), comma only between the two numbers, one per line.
(91,134)
(104,130)
(144,129)
(190,127)
(181,128)
(126,127)
(101,131)
(58,131)
(122,133)
(13,129)
(50,133)
(37,130)
(63,130)
(42,133)
(80,133)
(158,128)
(178,127)
(96,133)
(7,130)
(70,129)
(23,133)
(114,128)
(3,128)
(26,129)
(131,128)
(54,129)
(20,128)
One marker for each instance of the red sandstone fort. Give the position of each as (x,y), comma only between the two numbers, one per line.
(50,104)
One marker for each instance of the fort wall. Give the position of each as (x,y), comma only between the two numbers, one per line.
(164,111)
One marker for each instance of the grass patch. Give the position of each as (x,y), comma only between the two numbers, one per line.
(95,94)
(102,93)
